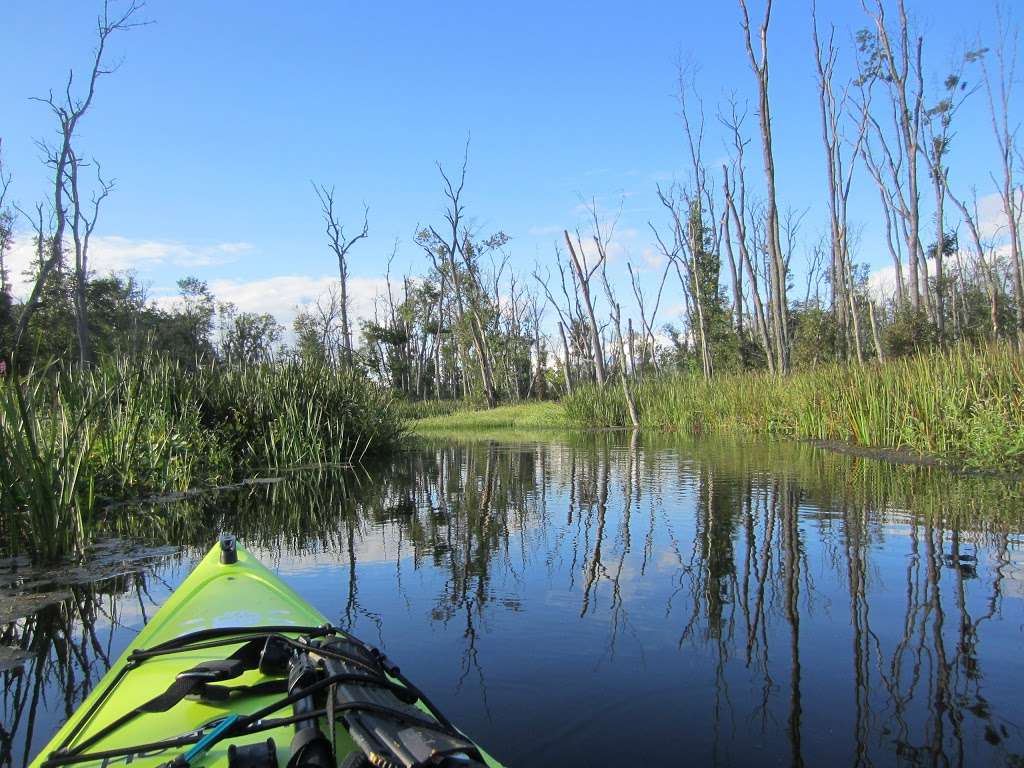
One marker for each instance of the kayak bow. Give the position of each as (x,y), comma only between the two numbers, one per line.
(237,671)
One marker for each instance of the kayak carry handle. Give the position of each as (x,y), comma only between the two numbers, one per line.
(228,549)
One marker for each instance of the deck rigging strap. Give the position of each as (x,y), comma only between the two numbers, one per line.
(255,641)
(193,640)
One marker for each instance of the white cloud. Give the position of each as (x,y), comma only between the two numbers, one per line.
(622,240)
(113,253)
(284,295)
(280,295)
(653,258)
(991,217)
(882,283)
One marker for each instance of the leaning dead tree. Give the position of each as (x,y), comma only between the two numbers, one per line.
(340,245)
(773,239)
(69,206)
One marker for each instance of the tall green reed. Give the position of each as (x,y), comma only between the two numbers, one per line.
(45,508)
(964,404)
(74,440)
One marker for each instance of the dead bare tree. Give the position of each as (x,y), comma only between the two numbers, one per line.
(443,251)
(568,316)
(987,267)
(647,321)
(735,193)
(6,224)
(602,237)
(82,226)
(683,252)
(999,88)
(938,134)
(69,109)
(894,58)
(839,166)
(777,270)
(584,273)
(538,384)
(6,241)
(340,246)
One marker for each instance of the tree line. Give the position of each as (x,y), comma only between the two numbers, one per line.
(472,324)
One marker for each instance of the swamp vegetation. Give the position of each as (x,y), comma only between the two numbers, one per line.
(555,585)
(964,405)
(76,441)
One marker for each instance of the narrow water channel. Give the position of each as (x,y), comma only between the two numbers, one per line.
(608,600)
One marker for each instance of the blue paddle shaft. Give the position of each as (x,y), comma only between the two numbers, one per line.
(207,741)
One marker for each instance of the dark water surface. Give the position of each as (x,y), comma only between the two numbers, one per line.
(602,600)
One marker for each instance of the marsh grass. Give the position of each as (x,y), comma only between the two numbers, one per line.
(525,417)
(75,440)
(963,405)
(43,446)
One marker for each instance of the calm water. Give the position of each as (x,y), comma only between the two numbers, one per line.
(613,601)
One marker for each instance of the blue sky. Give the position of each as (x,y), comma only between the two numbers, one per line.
(221,114)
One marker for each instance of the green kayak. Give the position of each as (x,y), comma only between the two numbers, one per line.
(237,670)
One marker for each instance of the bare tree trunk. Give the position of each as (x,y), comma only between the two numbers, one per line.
(64,163)
(987,269)
(741,240)
(938,177)
(840,176)
(568,360)
(875,335)
(999,89)
(891,214)
(584,273)
(82,227)
(444,249)
(853,314)
(649,346)
(632,349)
(776,260)
(615,311)
(896,66)
(340,245)
(736,275)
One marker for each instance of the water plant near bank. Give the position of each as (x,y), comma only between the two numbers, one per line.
(75,439)
(964,404)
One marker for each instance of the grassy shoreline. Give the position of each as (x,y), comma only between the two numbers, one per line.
(964,406)
(961,407)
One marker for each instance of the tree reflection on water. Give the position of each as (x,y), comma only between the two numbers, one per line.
(734,603)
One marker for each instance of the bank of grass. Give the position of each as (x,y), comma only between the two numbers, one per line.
(523,417)
(964,405)
(72,440)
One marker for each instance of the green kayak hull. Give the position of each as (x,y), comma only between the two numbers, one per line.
(215,595)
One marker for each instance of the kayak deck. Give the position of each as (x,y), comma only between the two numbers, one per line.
(170,683)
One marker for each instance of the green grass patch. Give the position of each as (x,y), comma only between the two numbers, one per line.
(525,416)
